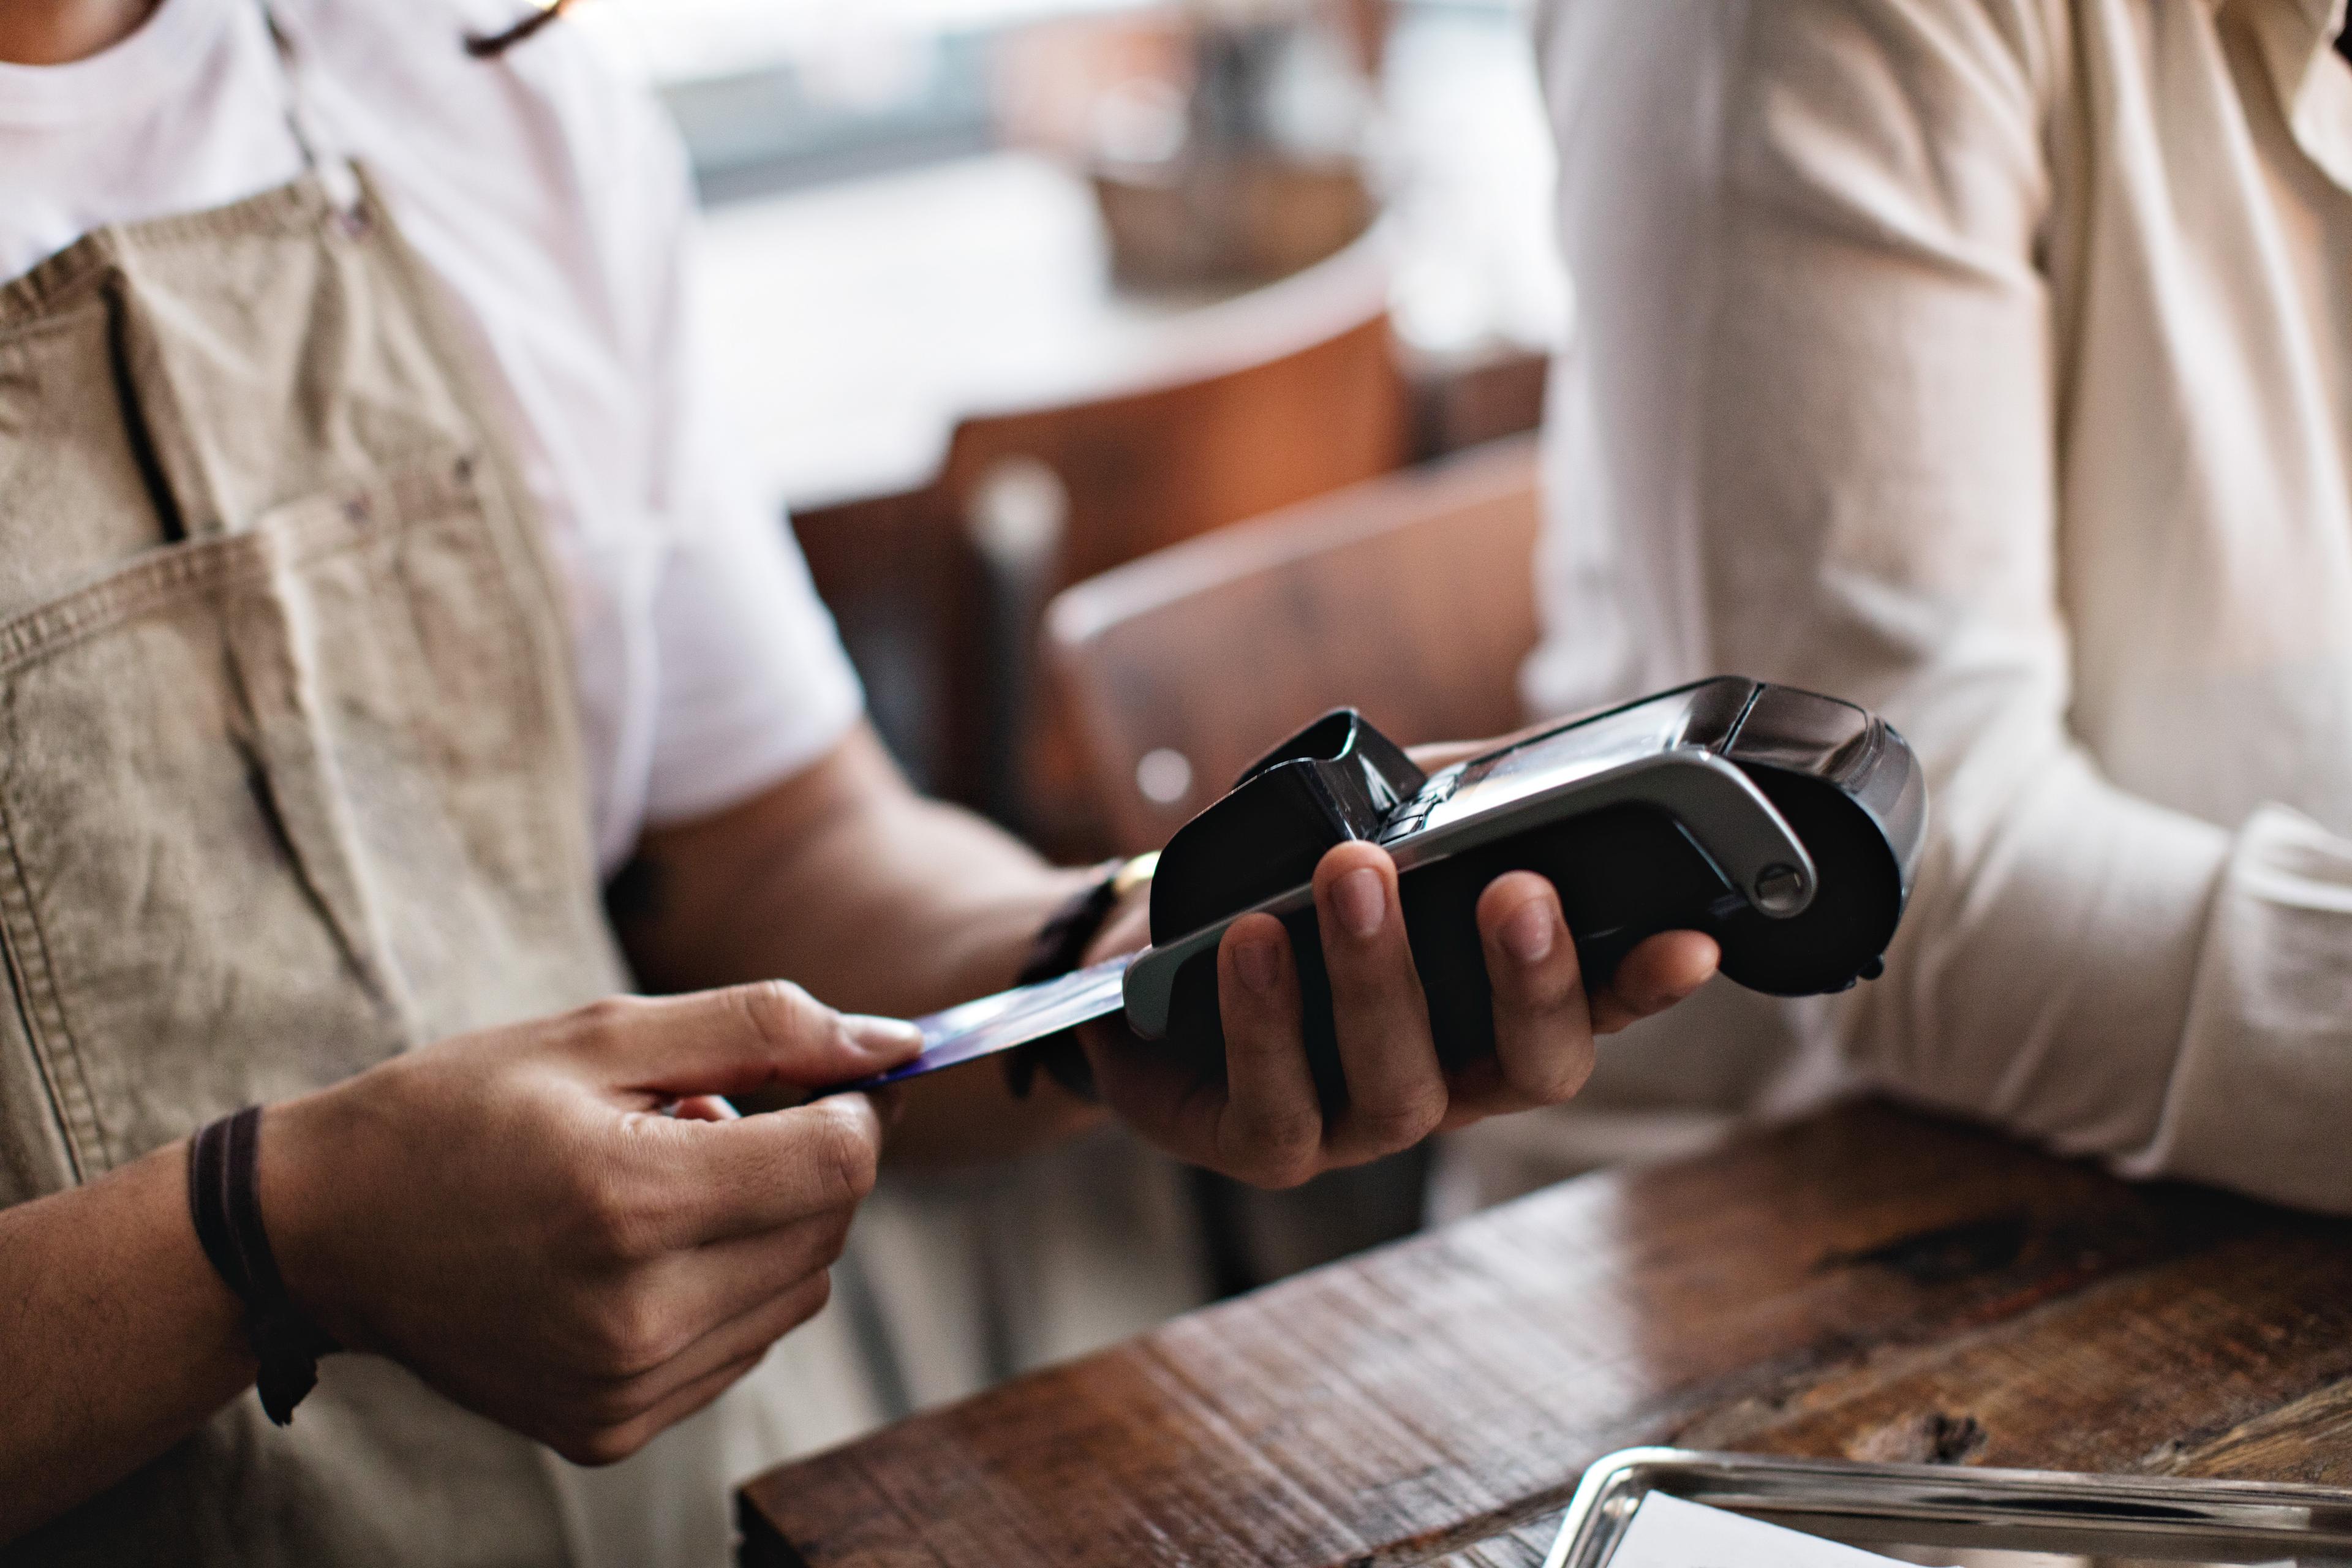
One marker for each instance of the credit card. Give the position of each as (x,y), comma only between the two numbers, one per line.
(1010,1018)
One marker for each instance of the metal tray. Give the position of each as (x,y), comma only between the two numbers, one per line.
(1979,1518)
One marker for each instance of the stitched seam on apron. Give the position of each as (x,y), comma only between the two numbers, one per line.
(43,1010)
(287,208)
(52,281)
(64,318)
(30,304)
(417,496)
(39,633)
(527,704)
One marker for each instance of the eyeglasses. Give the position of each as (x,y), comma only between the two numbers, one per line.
(489,45)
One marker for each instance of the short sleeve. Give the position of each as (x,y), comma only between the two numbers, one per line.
(753,685)
(749,681)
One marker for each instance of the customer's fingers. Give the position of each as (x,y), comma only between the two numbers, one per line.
(1543,1027)
(1656,975)
(1396,1091)
(1156,1089)
(1271,1131)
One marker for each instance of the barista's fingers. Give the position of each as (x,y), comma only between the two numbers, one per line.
(715,1180)
(622,1417)
(789,1301)
(1656,975)
(1271,1132)
(1396,1093)
(610,1444)
(663,1311)
(1543,1030)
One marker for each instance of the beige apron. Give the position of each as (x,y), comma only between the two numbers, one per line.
(289,783)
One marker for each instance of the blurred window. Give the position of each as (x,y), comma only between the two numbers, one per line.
(772,94)
(777,93)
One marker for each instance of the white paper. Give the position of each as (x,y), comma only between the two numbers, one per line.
(1668,1533)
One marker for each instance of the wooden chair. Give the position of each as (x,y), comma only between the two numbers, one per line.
(1288,393)
(1467,399)
(1409,596)
(904,588)
(1148,470)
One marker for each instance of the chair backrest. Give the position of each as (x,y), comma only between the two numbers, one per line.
(1409,596)
(1149,469)
(1286,392)
(905,591)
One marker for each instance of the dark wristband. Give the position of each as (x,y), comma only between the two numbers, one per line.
(1059,946)
(224,1200)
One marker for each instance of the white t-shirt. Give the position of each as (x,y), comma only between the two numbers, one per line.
(553,199)
(1989,362)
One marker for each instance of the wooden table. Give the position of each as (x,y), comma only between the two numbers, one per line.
(1867,1284)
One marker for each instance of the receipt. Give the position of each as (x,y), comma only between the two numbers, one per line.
(1668,1533)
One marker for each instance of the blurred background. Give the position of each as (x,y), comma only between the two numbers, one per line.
(1009,293)
(1141,381)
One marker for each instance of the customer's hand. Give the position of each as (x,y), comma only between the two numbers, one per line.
(514,1216)
(1259,1117)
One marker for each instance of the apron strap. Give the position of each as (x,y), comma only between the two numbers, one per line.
(334,173)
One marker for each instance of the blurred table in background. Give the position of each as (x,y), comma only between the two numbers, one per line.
(1867,1284)
(1140,428)
(857,324)
(890,347)
(858,320)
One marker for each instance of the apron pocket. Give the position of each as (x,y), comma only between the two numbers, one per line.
(205,755)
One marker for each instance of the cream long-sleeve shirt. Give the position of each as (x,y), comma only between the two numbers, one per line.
(1989,363)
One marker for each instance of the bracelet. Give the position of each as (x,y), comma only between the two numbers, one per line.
(224,1200)
(1058,947)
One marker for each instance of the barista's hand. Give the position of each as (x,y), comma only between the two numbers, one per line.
(513,1216)
(1260,1120)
